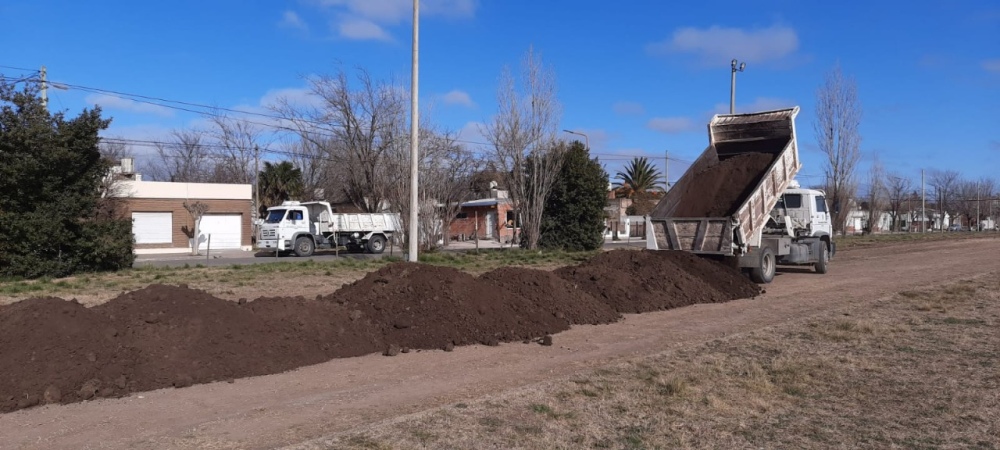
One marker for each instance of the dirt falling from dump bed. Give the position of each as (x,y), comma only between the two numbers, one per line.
(57,351)
(719,190)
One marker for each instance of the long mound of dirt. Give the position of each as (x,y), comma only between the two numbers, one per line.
(719,190)
(421,306)
(53,350)
(643,281)
(549,293)
(57,351)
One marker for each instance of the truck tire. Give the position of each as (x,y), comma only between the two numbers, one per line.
(824,259)
(763,271)
(304,246)
(376,244)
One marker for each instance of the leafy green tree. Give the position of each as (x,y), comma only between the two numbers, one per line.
(573,218)
(640,182)
(51,172)
(279,182)
(640,177)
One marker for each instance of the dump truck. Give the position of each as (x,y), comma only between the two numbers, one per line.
(739,200)
(303,227)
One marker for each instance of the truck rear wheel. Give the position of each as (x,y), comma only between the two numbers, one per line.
(376,244)
(763,271)
(304,246)
(824,259)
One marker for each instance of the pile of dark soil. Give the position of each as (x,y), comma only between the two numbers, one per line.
(549,293)
(425,307)
(719,190)
(57,351)
(643,281)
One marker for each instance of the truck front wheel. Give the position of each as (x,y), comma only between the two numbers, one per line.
(763,271)
(304,246)
(376,244)
(824,259)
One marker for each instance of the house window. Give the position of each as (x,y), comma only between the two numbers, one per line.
(462,215)
(512,216)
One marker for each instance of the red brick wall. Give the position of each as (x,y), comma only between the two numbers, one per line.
(467,226)
(182,219)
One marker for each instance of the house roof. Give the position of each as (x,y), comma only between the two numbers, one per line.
(480,202)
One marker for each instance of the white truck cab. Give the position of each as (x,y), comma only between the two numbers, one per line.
(303,227)
(806,211)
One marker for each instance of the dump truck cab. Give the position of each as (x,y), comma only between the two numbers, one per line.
(805,210)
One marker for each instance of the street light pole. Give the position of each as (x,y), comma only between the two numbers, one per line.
(414,139)
(737,66)
(585,138)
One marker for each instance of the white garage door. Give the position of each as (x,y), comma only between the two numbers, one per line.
(225,229)
(153,227)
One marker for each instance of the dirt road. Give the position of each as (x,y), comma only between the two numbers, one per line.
(312,402)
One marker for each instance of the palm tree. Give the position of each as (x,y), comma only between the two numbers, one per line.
(639,178)
(279,182)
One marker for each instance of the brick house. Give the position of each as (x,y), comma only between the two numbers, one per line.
(160,223)
(479,219)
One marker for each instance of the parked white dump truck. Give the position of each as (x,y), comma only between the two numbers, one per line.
(771,220)
(303,227)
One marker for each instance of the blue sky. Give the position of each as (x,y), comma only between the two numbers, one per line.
(639,77)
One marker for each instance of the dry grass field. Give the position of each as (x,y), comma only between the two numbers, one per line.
(917,369)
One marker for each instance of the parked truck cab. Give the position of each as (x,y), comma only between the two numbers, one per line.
(303,227)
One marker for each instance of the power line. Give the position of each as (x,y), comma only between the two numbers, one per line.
(18,68)
(213,112)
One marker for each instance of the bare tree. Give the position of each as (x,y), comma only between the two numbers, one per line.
(186,159)
(945,184)
(237,145)
(522,134)
(898,190)
(362,123)
(197,211)
(446,172)
(972,200)
(875,197)
(838,119)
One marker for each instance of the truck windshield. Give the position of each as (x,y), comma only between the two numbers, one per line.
(275,216)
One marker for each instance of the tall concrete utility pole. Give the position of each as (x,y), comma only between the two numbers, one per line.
(732,86)
(923,204)
(256,181)
(666,169)
(45,88)
(413,237)
(978,222)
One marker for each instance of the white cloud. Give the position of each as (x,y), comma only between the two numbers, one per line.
(472,134)
(362,29)
(718,45)
(290,19)
(457,97)
(369,19)
(628,109)
(992,65)
(670,125)
(123,104)
(759,104)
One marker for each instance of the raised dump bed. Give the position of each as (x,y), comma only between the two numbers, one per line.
(724,204)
